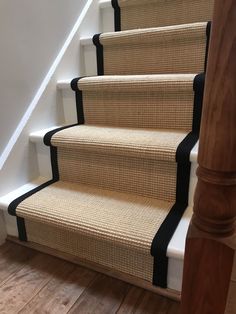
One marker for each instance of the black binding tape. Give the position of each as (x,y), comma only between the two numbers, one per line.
(164,234)
(54,163)
(21,228)
(208,34)
(78,99)
(14,204)
(117,16)
(99,53)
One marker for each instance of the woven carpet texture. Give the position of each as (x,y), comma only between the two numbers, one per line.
(139,101)
(156,13)
(170,49)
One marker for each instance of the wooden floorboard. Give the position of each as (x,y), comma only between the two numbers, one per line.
(32,282)
(139,301)
(104,295)
(24,284)
(17,255)
(62,291)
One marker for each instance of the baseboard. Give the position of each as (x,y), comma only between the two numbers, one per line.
(171,294)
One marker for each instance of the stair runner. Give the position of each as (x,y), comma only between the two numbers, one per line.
(121,174)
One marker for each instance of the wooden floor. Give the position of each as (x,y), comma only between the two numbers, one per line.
(32,282)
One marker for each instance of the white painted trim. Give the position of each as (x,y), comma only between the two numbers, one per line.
(105,4)
(65,84)
(10,221)
(86,41)
(176,247)
(42,88)
(7,199)
(37,137)
(194,153)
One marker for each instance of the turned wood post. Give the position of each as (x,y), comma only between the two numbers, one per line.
(211,240)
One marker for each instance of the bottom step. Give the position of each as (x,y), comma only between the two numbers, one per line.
(54,237)
(114,229)
(172,294)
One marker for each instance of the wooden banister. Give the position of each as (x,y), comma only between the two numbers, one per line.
(211,240)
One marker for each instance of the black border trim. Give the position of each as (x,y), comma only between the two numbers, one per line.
(21,229)
(55,177)
(54,162)
(117,15)
(99,54)
(48,136)
(78,99)
(165,232)
(13,205)
(208,35)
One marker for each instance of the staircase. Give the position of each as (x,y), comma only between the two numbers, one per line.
(119,193)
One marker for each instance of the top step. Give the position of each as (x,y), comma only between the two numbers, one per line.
(133,14)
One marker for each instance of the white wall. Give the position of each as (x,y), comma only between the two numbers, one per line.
(31,35)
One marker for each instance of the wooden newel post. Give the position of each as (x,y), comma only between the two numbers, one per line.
(211,240)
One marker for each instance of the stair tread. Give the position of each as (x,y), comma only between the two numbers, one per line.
(137,81)
(146,143)
(128,219)
(153,33)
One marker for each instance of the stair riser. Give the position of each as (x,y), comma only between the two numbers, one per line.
(107,19)
(125,260)
(155,53)
(119,173)
(89,58)
(145,109)
(88,49)
(102,252)
(44,160)
(146,13)
(69,105)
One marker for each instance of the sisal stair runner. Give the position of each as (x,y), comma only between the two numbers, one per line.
(121,174)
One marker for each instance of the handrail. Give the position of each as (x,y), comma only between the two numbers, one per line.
(211,240)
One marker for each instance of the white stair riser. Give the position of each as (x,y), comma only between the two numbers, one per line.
(44,161)
(107,18)
(90,59)
(11,225)
(89,50)
(193,183)
(69,105)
